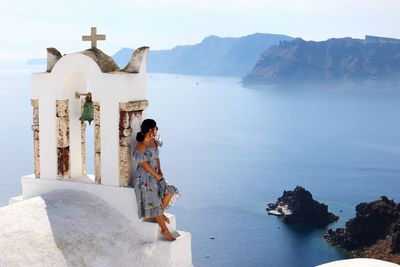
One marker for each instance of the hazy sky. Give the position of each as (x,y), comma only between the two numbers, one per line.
(28,27)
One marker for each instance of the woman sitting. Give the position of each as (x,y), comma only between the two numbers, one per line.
(153,193)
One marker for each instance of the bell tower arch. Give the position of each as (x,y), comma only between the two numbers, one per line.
(118,97)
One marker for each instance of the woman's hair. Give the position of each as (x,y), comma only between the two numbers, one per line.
(147,124)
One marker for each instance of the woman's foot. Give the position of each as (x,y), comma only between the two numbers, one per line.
(165,218)
(168,235)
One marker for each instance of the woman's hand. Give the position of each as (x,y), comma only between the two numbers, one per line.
(159,176)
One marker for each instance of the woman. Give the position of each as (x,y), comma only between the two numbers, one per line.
(153,194)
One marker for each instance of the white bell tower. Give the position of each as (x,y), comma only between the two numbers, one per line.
(119,104)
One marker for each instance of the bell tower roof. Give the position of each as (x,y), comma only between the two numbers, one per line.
(104,61)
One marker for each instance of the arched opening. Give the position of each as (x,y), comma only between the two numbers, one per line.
(89,149)
(90,138)
(89,153)
(83,144)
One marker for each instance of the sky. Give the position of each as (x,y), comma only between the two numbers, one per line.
(28,27)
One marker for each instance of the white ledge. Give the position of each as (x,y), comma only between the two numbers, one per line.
(359,262)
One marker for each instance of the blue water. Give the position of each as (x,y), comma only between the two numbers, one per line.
(231,150)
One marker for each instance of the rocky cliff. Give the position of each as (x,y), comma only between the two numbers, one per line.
(220,56)
(342,61)
(373,233)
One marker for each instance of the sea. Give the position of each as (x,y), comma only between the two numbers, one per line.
(231,150)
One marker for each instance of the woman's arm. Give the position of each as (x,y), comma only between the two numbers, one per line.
(158,160)
(141,148)
(151,171)
(159,166)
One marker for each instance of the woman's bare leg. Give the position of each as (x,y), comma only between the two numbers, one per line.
(164,230)
(166,219)
(166,199)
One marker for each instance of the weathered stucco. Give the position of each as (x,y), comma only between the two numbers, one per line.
(97,143)
(53,55)
(133,105)
(35,129)
(79,72)
(63,153)
(83,141)
(105,62)
(127,112)
(134,64)
(83,147)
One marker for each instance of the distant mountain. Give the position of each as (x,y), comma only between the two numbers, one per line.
(346,60)
(215,55)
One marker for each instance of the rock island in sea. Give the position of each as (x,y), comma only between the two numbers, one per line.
(298,206)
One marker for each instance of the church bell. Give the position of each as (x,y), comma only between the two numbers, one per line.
(87,113)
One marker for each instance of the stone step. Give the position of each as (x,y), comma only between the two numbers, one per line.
(178,252)
(153,231)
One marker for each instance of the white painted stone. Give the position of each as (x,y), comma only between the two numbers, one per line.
(36,158)
(15,200)
(97,139)
(361,262)
(96,106)
(83,149)
(73,72)
(97,167)
(121,198)
(78,228)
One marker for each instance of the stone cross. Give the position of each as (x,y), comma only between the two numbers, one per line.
(94,37)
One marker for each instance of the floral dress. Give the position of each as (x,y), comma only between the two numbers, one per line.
(149,191)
